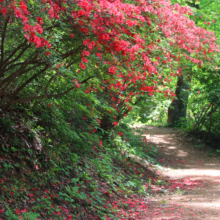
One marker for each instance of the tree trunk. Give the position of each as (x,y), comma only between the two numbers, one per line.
(178,107)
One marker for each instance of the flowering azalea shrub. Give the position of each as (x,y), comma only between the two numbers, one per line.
(51,48)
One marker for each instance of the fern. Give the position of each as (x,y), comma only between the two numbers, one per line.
(30,215)
(10,215)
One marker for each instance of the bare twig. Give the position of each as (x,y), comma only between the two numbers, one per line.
(4,141)
(207,4)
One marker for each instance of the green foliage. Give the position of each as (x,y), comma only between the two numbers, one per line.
(72,167)
(9,213)
(30,215)
(203,105)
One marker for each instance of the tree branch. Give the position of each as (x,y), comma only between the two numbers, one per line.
(50,80)
(71,52)
(27,99)
(22,86)
(2,46)
(22,63)
(56,25)
(12,61)
(19,72)
(207,4)
(15,50)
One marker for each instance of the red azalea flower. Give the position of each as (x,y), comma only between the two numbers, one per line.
(4,10)
(115,123)
(17,211)
(48,53)
(83,66)
(120,134)
(24,210)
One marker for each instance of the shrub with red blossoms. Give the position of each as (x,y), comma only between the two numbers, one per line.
(123,47)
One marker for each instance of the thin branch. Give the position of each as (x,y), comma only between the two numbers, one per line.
(19,72)
(55,25)
(21,63)
(207,4)
(71,52)
(15,51)
(22,86)
(50,80)
(2,46)
(28,81)
(86,80)
(19,55)
(4,142)
(46,96)
(12,66)
(10,78)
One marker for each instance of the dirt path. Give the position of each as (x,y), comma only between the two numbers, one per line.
(188,186)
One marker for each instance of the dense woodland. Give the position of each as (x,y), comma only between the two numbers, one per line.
(75,75)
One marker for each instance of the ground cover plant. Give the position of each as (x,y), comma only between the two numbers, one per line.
(60,182)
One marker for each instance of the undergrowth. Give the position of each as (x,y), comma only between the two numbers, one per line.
(54,166)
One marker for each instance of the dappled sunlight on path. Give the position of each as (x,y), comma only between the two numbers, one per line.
(190,179)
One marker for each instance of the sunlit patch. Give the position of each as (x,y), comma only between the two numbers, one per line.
(179,173)
(172,147)
(182,153)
